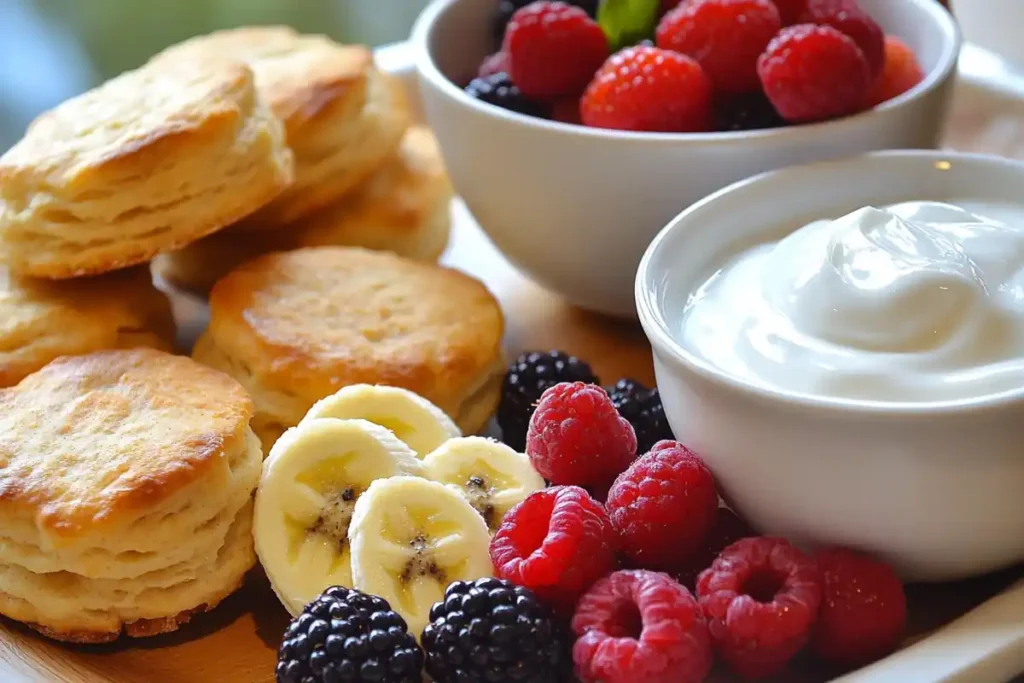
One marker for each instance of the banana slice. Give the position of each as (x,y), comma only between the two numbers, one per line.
(312,479)
(492,476)
(413,419)
(410,539)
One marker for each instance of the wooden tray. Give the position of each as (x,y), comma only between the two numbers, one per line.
(237,642)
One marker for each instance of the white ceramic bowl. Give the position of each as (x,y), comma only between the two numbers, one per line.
(934,488)
(575,207)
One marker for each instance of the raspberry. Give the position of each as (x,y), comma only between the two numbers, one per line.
(507,8)
(863,610)
(790,10)
(640,627)
(499,90)
(900,73)
(663,507)
(847,16)
(642,408)
(813,73)
(752,111)
(761,598)
(724,36)
(557,543)
(577,437)
(494,64)
(649,89)
(553,49)
(526,380)
(727,529)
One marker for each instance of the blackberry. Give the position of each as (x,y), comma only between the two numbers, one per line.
(642,408)
(526,380)
(506,8)
(492,631)
(499,90)
(747,112)
(348,636)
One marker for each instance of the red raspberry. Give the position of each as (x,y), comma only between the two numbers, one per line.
(495,64)
(791,10)
(724,36)
(863,609)
(577,437)
(557,543)
(663,507)
(848,17)
(640,627)
(649,89)
(900,73)
(761,598)
(554,49)
(813,73)
(728,529)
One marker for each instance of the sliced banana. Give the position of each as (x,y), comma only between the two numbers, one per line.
(492,476)
(312,479)
(410,539)
(413,419)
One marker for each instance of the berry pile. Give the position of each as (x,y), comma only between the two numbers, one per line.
(692,66)
(654,585)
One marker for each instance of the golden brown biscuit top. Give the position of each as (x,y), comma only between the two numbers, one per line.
(314,320)
(97,441)
(41,319)
(129,127)
(398,197)
(300,76)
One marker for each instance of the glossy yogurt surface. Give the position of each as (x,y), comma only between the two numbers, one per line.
(915,302)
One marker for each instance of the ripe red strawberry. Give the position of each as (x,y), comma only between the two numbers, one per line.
(901,72)
(724,36)
(649,89)
(494,64)
(848,17)
(553,49)
(814,73)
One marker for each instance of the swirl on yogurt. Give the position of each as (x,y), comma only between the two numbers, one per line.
(920,301)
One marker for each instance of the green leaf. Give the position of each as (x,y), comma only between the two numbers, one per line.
(627,22)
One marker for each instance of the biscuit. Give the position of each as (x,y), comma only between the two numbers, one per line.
(126,480)
(404,208)
(148,162)
(294,327)
(342,116)
(41,320)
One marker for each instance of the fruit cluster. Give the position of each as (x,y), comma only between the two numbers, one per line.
(692,66)
(621,569)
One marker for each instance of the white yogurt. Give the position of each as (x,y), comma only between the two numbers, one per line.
(921,301)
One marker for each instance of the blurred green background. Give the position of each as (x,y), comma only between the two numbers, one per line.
(53,49)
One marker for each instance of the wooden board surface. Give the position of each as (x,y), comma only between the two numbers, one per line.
(237,642)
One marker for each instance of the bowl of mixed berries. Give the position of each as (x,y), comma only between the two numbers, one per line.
(575,130)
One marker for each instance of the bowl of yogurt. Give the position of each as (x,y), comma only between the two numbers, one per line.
(843,342)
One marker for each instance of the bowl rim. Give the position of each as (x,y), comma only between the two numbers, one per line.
(427,68)
(653,322)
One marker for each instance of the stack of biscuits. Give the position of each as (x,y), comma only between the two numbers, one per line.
(127,472)
(125,494)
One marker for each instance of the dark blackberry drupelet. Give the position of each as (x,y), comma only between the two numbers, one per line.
(345,636)
(526,380)
(747,112)
(498,89)
(506,8)
(491,631)
(642,408)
